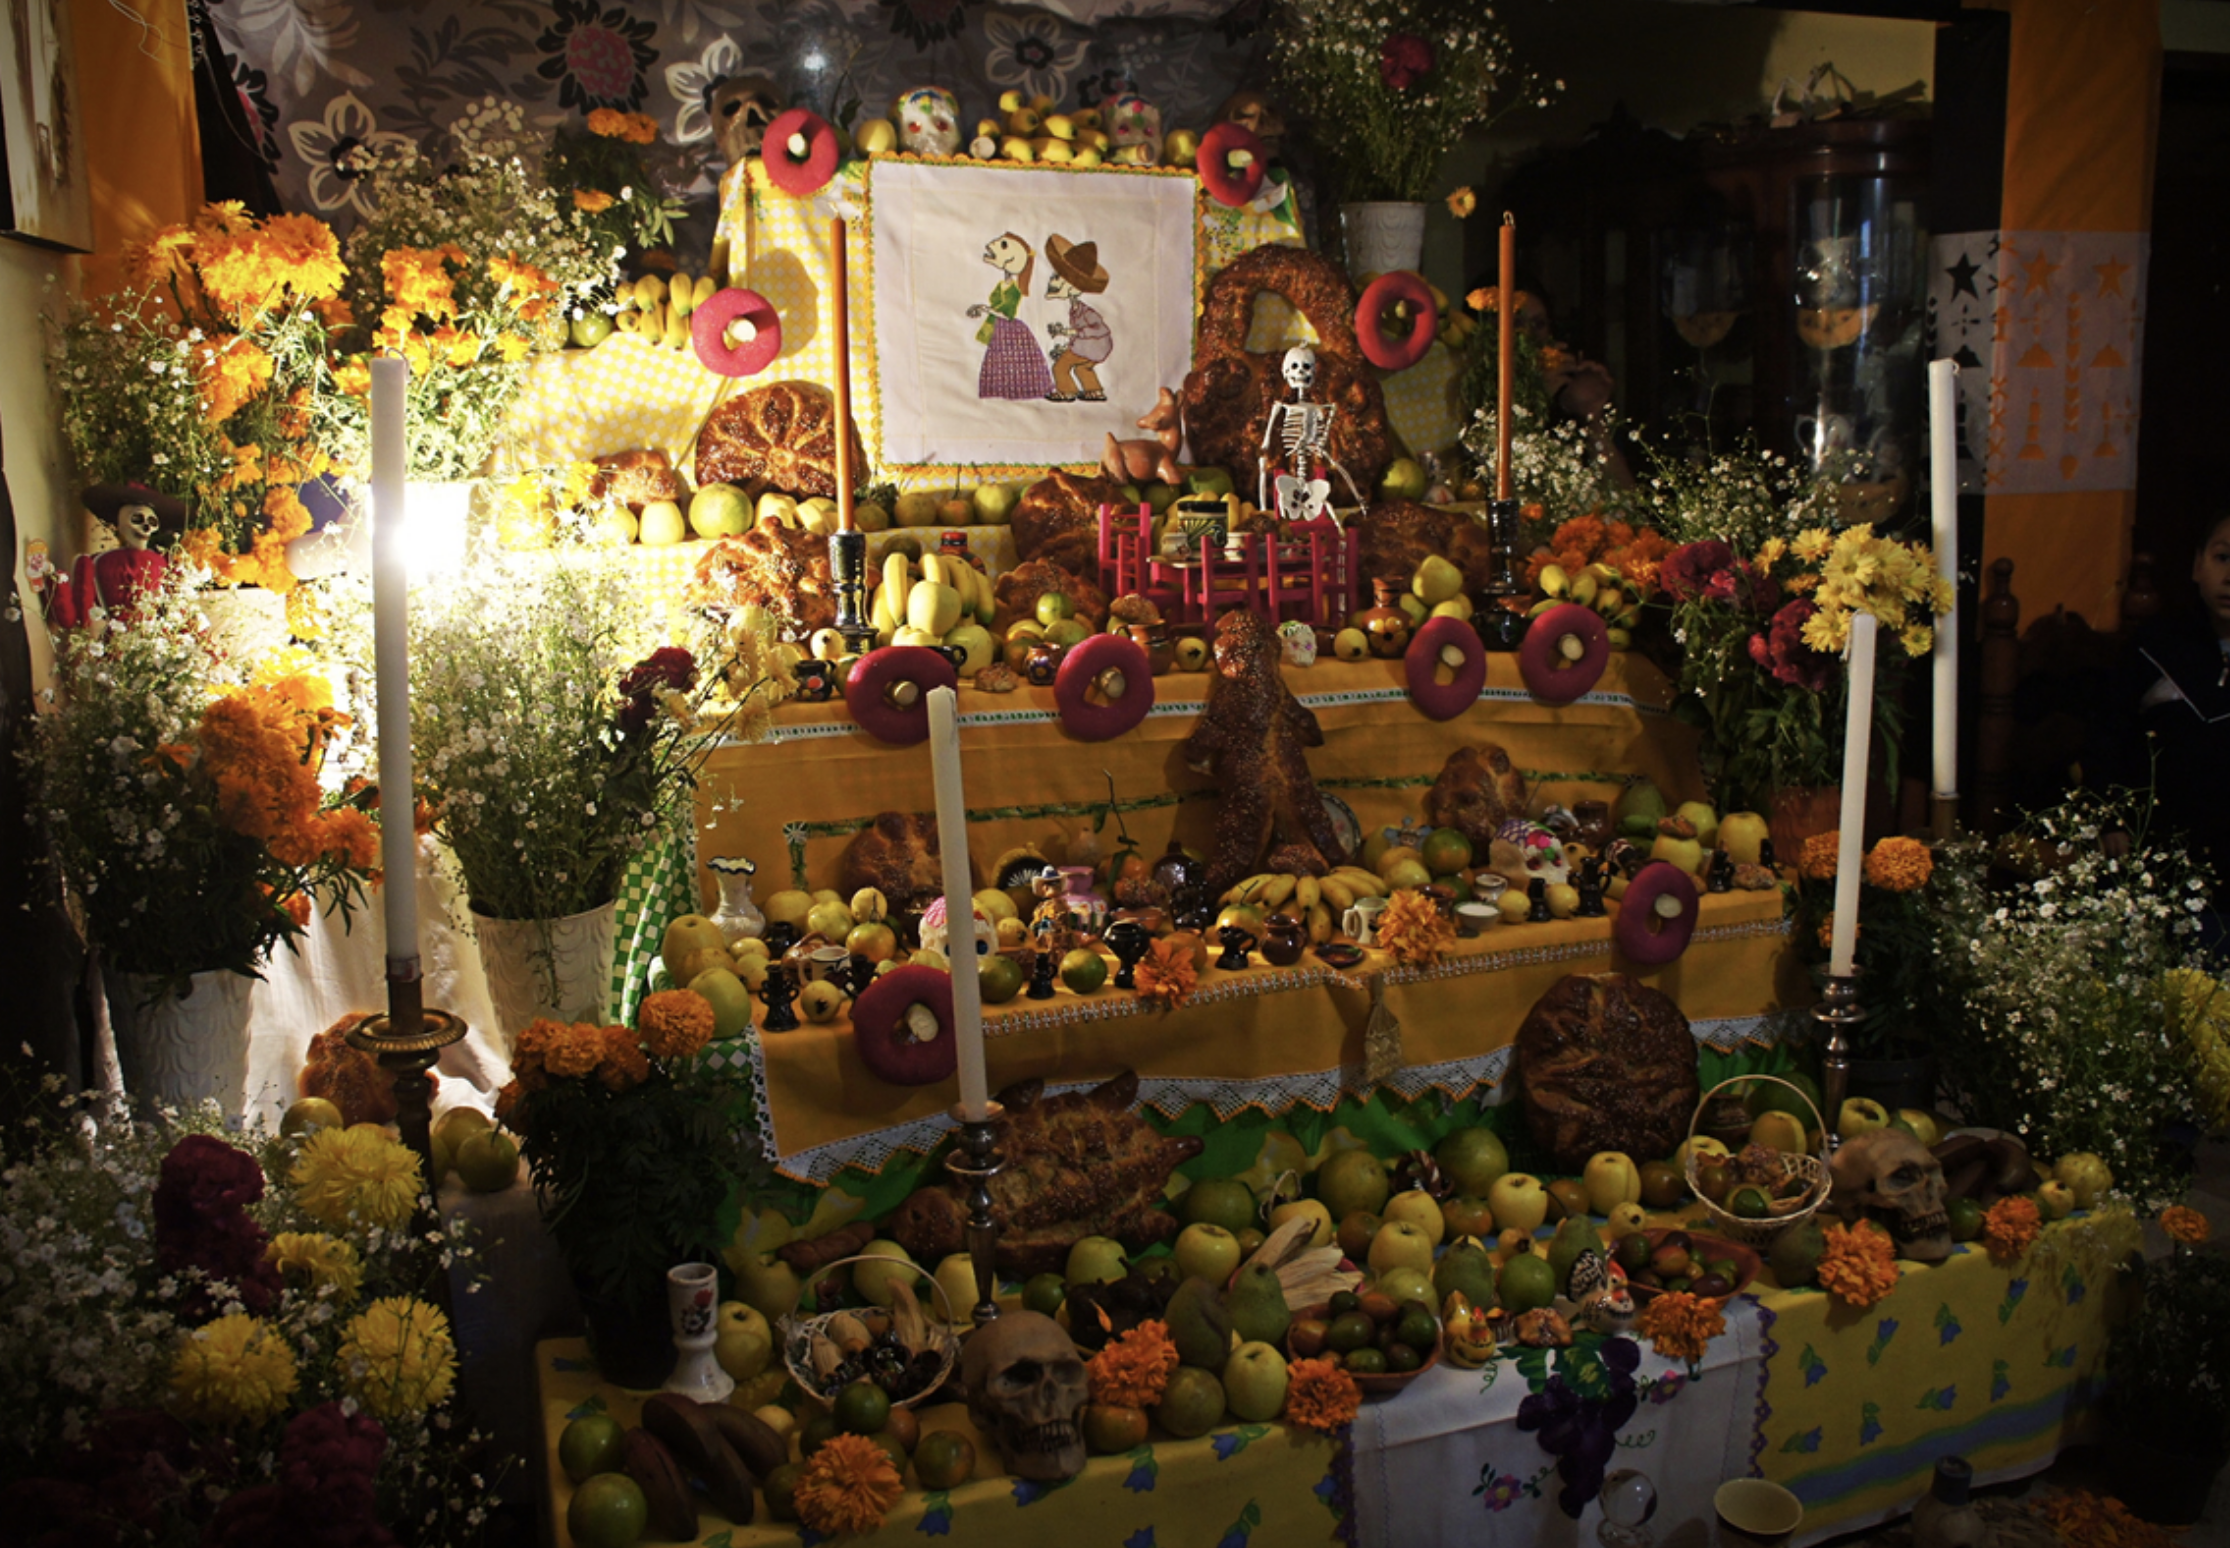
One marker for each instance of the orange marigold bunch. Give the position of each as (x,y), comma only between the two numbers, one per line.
(1320,1396)
(634,128)
(2010,1227)
(675,1024)
(1679,1325)
(1817,860)
(623,1063)
(2086,1520)
(1859,1265)
(2185,1224)
(1412,931)
(1168,976)
(574,1051)
(1900,864)
(1640,561)
(848,1485)
(258,752)
(1132,1371)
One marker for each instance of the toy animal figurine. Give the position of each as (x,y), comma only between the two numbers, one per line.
(1133,462)
(1301,431)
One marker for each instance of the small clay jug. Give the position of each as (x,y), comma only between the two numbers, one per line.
(1283,940)
(1043,664)
(1158,643)
(1385,626)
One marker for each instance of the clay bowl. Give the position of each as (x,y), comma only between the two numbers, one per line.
(1390,1381)
(1746,1260)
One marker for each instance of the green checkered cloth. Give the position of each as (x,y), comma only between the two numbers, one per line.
(659,883)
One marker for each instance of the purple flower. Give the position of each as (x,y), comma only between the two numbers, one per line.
(1504,1492)
(1689,569)
(1404,59)
(201,1220)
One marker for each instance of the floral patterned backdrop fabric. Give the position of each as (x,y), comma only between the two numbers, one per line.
(322,79)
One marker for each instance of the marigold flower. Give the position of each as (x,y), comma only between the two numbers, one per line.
(1168,976)
(1900,864)
(848,1485)
(397,1357)
(322,1262)
(1817,860)
(675,1024)
(2184,1224)
(575,1051)
(1858,1266)
(610,123)
(1132,1371)
(2010,1227)
(624,1063)
(1412,930)
(591,201)
(347,1176)
(235,1370)
(1462,203)
(1320,1396)
(1679,1325)
(230,371)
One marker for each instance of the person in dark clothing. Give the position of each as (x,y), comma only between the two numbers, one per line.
(2166,720)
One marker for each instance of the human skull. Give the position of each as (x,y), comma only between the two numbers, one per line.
(742,107)
(928,121)
(1891,1179)
(1299,369)
(1025,1385)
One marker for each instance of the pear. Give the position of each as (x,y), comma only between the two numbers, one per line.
(1436,581)
(1573,1236)
(1638,809)
(1465,1266)
(1199,1325)
(1257,1304)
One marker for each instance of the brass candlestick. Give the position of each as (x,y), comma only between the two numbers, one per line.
(848,568)
(407,1041)
(1500,628)
(1838,1011)
(975,1159)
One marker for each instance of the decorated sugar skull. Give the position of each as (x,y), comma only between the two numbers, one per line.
(928,119)
(1524,851)
(1025,1385)
(1892,1179)
(935,932)
(1299,369)
(137,525)
(1298,641)
(742,106)
(1134,126)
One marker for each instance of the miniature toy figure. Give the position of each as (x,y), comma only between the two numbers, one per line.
(1301,431)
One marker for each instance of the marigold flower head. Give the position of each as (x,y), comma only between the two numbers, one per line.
(1817,860)
(1168,976)
(591,201)
(397,1358)
(356,1176)
(322,1263)
(1412,930)
(1858,1266)
(1132,1371)
(230,371)
(1320,1396)
(675,1024)
(848,1485)
(2010,1227)
(2184,1224)
(1679,1325)
(575,1051)
(1899,864)
(235,1370)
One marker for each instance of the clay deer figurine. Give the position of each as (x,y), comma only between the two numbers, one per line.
(1136,461)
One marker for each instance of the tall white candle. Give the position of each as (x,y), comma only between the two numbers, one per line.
(1943,480)
(960,907)
(1850,846)
(391,655)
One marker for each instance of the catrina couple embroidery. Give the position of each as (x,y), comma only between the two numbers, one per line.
(1013,366)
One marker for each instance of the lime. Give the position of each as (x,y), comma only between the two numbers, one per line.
(945,1459)
(1053,606)
(1966,1219)
(1402,1358)
(1002,978)
(1365,1362)
(1350,1331)
(862,1408)
(816,1431)
(590,1445)
(608,1511)
(1084,970)
(1749,1204)
(782,1488)
(1044,1293)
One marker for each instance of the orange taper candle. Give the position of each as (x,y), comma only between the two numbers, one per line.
(840,281)
(1506,341)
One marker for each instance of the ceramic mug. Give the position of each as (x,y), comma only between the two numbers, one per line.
(1361,920)
(828,962)
(1754,1513)
(1472,919)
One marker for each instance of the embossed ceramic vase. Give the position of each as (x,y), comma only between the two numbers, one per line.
(178,1050)
(1383,236)
(558,968)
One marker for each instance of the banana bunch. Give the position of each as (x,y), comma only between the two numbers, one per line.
(1456,323)
(1317,901)
(949,603)
(1598,586)
(658,310)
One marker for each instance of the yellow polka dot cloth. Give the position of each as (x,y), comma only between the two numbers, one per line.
(625,394)
(1421,402)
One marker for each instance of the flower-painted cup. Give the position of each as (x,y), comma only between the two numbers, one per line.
(692,1293)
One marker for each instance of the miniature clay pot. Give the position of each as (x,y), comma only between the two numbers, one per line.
(1385,626)
(1283,940)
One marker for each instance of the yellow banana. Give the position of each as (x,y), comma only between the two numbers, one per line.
(1362,883)
(1320,925)
(933,568)
(1305,894)
(681,294)
(1336,893)
(706,283)
(1239,889)
(894,574)
(677,330)
(1278,890)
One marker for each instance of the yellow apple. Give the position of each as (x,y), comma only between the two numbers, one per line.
(1625,1220)
(1611,1178)
(956,1276)
(1861,1115)
(820,1000)
(994,905)
(685,935)
(831,921)
(887,1265)
(789,906)
(765,1282)
(1419,1209)
(1778,1131)
(1741,834)
(1923,1124)
(744,1343)
(662,525)
(1321,1233)
(1705,821)
(1518,1201)
(1399,1244)
(1697,1144)
(724,991)
(1206,1251)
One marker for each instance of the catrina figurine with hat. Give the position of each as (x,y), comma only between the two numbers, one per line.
(1084,342)
(114,579)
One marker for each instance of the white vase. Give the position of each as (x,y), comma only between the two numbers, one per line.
(738,916)
(555,968)
(1381,238)
(179,1050)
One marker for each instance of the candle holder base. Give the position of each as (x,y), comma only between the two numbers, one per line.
(848,569)
(1943,815)
(975,1161)
(1838,1012)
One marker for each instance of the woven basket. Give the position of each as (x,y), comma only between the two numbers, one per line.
(1812,1170)
(797,1338)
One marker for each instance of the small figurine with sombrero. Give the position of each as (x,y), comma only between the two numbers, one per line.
(113,580)
(1081,343)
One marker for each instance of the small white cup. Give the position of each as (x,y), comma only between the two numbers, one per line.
(1361,920)
(1755,1513)
(1472,919)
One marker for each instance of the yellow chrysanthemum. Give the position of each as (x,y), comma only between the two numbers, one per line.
(1918,640)
(1828,630)
(1770,553)
(235,1370)
(358,1175)
(324,1263)
(397,1358)
(2199,1009)
(1462,203)
(1811,543)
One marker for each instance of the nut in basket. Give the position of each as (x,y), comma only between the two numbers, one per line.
(904,1351)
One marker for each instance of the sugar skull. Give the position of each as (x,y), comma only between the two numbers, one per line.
(928,119)
(1134,126)
(1524,850)
(1298,641)
(934,933)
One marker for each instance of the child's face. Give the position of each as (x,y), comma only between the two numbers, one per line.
(2211,572)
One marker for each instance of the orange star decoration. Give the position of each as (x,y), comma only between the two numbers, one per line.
(2010,1227)
(849,1485)
(1320,1396)
(1168,976)
(1679,1325)
(2185,1224)
(1412,931)
(1859,1265)
(1133,1370)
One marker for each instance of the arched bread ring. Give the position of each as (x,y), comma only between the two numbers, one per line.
(804,175)
(1657,916)
(1226,183)
(1551,673)
(888,692)
(887,1037)
(1370,320)
(708,332)
(1130,690)
(1428,652)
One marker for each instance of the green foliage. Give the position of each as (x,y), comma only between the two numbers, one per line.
(2170,1362)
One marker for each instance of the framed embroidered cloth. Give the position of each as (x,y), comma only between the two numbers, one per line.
(1022,313)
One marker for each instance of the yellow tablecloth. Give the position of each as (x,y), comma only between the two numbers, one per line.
(1268,1483)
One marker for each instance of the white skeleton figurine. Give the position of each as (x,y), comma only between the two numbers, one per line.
(1303,431)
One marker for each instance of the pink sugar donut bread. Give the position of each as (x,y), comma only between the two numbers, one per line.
(708,332)
(1549,673)
(885,1037)
(1226,184)
(1370,321)
(1439,700)
(802,176)
(1084,665)
(888,692)
(1657,916)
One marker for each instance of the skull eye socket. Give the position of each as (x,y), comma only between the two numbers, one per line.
(1021,1374)
(1907,1176)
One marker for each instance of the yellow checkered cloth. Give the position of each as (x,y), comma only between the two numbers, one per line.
(625,394)
(1421,402)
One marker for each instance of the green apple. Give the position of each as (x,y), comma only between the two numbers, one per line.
(743,1343)
(607,1511)
(1162,496)
(1705,820)
(591,1444)
(1415,607)
(1068,631)
(1192,1404)
(729,999)
(1097,1260)
(956,1276)
(590,329)
(888,1265)
(487,1160)
(869,516)
(1321,1229)
(1053,606)
(976,641)
(995,503)
(661,525)
(1741,834)
(1254,1381)
(719,510)
(1420,1209)
(1405,1284)
(831,921)
(1473,1160)
(685,936)
(1860,1115)
(1518,1201)
(1399,1244)
(766,1282)
(1404,480)
(1351,1180)
(918,508)
(1208,482)
(875,941)
(2086,1176)
(1610,1177)
(1207,1252)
